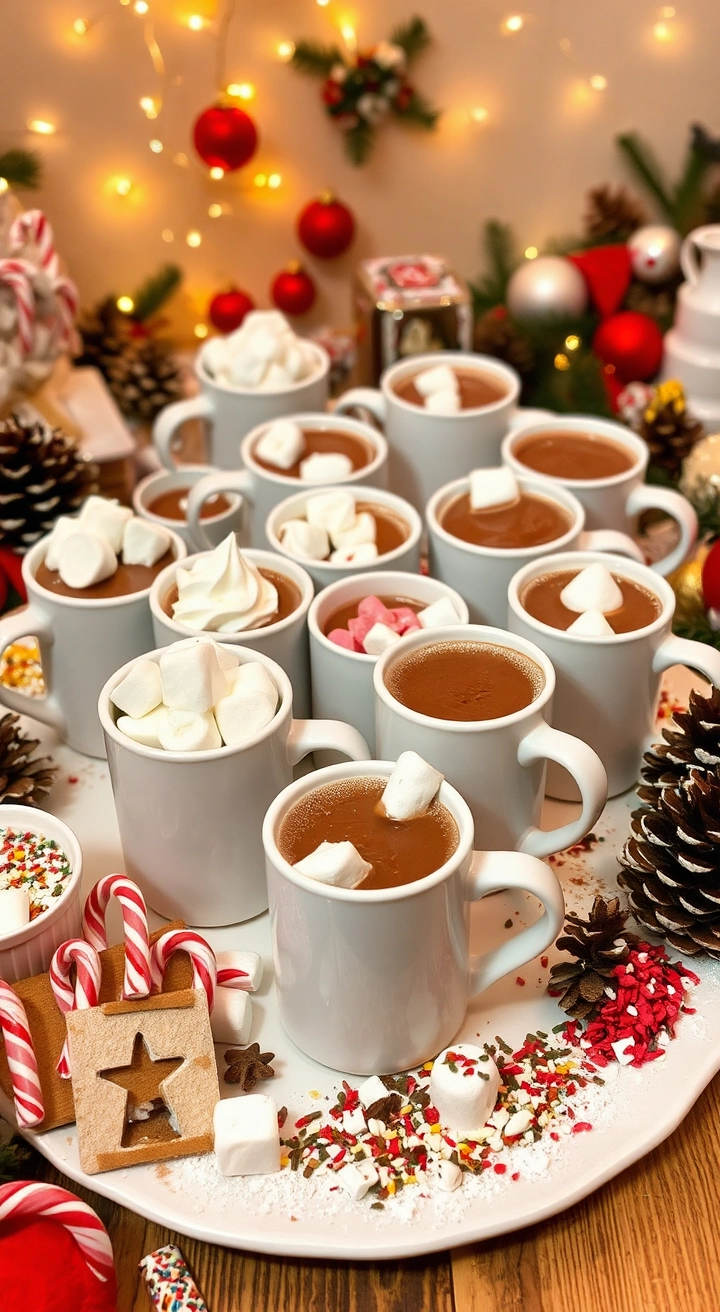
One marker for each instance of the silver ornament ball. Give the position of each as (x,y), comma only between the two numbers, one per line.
(545,288)
(654,253)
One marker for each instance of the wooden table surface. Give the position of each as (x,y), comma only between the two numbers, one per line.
(646,1242)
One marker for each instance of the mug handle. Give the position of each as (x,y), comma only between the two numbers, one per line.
(545,743)
(689,262)
(493,872)
(683,651)
(648,496)
(318,735)
(609,539)
(235,480)
(170,419)
(31,622)
(370,398)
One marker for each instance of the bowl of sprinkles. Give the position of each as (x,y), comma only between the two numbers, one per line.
(40,878)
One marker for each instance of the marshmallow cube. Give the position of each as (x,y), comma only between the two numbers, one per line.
(438,613)
(107,519)
(85,558)
(231,1019)
(281,444)
(253,677)
(356,1178)
(354,1122)
(250,962)
(590,624)
(465,1102)
(363,530)
(146,730)
(440,378)
(189,731)
(379,638)
(243,713)
(266,344)
(363,554)
(308,541)
(449,1176)
(339,864)
(326,467)
(333,511)
(192,679)
(443,403)
(275,379)
(295,360)
(411,787)
(14,909)
(140,691)
(372,1090)
(493,487)
(247,1139)
(62,528)
(144,543)
(594,588)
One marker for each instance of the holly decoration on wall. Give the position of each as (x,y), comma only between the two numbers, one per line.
(228,309)
(225,137)
(360,90)
(293,290)
(326,227)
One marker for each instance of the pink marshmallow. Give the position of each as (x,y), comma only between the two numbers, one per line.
(404,620)
(361,627)
(342,638)
(375,609)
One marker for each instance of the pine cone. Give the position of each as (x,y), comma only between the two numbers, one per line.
(23,778)
(105,334)
(612,214)
(144,378)
(42,475)
(598,944)
(693,741)
(496,334)
(671,864)
(668,428)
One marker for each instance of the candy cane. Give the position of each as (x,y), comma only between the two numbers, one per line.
(86,990)
(21,1061)
(66,294)
(32,226)
(17,275)
(202,957)
(138,979)
(32,1198)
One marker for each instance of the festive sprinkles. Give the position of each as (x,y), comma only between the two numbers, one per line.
(169,1283)
(20,668)
(35,863)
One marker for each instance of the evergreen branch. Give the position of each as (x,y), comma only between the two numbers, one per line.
(419,112)
(21,168)
(697,628)
(499,247)
(412,36)
(315,59)
(13,1156)
(155,291)
(707,509)
(645,167)
(359,142)
(689,205)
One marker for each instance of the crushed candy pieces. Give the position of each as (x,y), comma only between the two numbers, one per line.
(20,668)
(37,864)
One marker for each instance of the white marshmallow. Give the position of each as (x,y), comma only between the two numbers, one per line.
(354,1122)
(272,321)
(411,787)
(253,677)
(250,962)
(215,354)
(326,467)
(85,558)
(265,344)
(519,1122)
(106,518)
(363,554)
(244,713)
(144,543)
(379,638)
(140,691)
(275,379)
(493,487)
(189,731)
(449,1176)
(339,864)
(438,613)
(247,1139)
(356,1178)
(363,529)
(231,1019)
(371,1090)
(594,588)
(443,403)
(464,1101)
(63,528)
(227,660)
(192,679)
(308,541)
(295,361)
(146,730)
(440,378)
(244,370)
(14,909)
(281,444)
(333,511)
(590,624)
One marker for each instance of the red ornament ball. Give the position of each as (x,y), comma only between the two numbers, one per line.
(228,309)
(711,578)
(632,343)
(225,137)
(293,291)
(326,227)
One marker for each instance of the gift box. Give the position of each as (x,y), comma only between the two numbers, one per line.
(408,305)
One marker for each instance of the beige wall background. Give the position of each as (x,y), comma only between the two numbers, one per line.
(547,138)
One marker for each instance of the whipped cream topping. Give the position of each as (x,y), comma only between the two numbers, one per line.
(224,592)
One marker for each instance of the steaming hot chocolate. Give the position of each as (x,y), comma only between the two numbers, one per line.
(461,680)
(324,441)
(476,389)
(577,455)
(173,505)
(126,579)
(529,521)
(541,599)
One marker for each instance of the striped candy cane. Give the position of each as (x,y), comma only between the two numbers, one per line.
(32,1198)
(138,978)
(32,226)
(202,957)
(17,275)
(83,994)
(66,295)
(21,1061)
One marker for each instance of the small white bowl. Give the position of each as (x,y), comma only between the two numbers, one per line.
(28,951)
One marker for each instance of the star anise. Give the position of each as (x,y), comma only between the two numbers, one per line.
(248,1065)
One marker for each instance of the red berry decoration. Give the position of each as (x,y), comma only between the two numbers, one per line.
(632,343)
(326,227)
(228,309)
(225,137)
(711,578)
(293,291)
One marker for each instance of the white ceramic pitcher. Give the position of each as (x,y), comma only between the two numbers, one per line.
(692,347)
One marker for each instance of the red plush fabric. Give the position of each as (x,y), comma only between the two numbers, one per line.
(607,272)
(43,1270)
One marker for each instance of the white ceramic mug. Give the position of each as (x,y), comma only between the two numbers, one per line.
(263,489)
(379,981)
(616,501)
(405,557)
(81,642)
(497,765)
(286,641)
(232,411)
(28,951)
(190,822)
(608,687)
(342,680)
(481,574)
(215,529)
(426,449)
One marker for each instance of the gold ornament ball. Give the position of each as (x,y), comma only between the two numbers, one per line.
(686,583)
(701,469)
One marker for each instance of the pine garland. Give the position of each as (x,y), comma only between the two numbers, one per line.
(502,257)
(152,294)
(21,168)
(359,143)
(315,59)
(684,204)
(412,36)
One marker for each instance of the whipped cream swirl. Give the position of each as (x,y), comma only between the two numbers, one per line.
(224,592)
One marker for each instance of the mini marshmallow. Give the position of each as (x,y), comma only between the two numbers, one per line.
(333,511)
(594,588)
(379,638)
(282,444)
(438,613)
(247,1139)
(465,1102)
(372,1090)
(493,487)
(363,554)
(441,378)
(449,1176)
(250,962)
(243,713)
(364,529)
(519,1122)
(356,1178)
(146,730)
(354,1122)
(339,864)
(411,787)
(192,679)
(63,528)
(590,624)
(308,541)
(231,1018)
(14,909)
(106,518)
(189,731)
(85,558)
(144,543)
(326,467)
(443,403)
(140,691)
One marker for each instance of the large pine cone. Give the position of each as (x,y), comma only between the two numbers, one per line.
(693,740)
(144,378)
(612,214)
(43,475)
(669,429)
(23,778)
